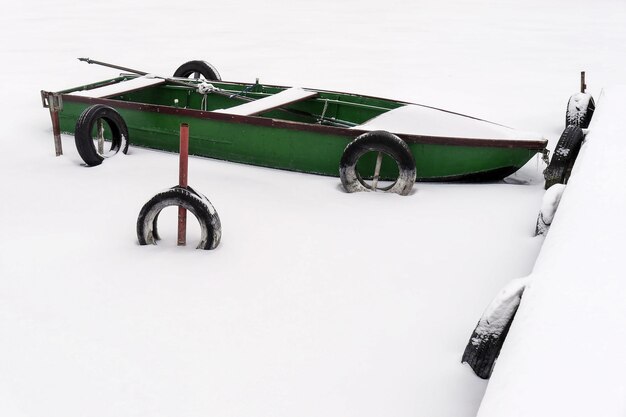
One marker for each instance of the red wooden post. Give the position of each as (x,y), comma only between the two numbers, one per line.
(583,85)
(54,103)
(56,131)
(182,182)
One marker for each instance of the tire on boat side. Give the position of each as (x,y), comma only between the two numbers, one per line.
(196,203)
(84,126)
(197,68)
(580,108)
(377,141)
(565,153)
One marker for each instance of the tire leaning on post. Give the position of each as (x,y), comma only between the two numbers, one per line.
(385,143)
(564,156)
(84,126)
(194,202)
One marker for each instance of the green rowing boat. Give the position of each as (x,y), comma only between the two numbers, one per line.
(298,129)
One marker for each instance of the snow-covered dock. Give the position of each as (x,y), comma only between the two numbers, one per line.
(564,354)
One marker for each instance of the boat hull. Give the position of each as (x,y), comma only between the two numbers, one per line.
(302,147)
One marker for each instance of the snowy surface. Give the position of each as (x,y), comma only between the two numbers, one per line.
(421,120)
(316,302)
(569,332)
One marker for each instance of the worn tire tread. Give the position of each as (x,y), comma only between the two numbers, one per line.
(565,154)
(583,117)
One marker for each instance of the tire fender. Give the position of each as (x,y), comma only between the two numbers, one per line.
(483,347)
(549,205)
(377,141)
(84,126)
(580,108)
(565,154)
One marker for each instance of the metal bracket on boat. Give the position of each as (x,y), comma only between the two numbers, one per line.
(242,93)
(51,101)
(323,112)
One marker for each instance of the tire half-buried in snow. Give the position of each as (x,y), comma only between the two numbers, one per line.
(85,126)
(196,203)
(384,143)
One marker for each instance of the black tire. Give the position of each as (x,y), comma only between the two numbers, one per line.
(377,141)
(84,126)
(197,69)
(482,350)
(484,346)
(580,108)
(565,153)
(188,198)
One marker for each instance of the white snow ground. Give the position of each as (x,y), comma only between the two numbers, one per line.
(317,302)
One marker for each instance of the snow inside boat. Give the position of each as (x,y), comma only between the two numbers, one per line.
(298,129)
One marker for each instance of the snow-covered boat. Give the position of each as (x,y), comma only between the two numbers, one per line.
(299,129)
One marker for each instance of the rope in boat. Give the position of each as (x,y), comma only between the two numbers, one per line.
(244,91)
(205,89)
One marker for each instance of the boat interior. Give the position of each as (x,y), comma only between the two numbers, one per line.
(241,99)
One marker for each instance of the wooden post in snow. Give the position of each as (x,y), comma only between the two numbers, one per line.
(55,105)
(182,182)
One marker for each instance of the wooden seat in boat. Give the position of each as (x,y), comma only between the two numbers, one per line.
(262,105)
